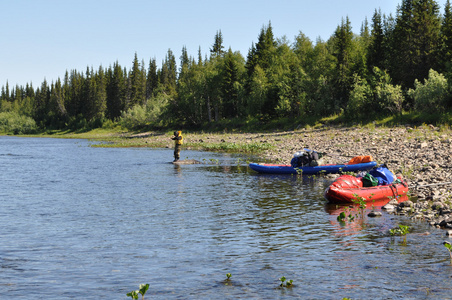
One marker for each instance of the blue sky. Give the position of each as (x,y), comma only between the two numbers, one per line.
(41,39)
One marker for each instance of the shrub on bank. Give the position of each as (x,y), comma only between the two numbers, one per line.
(12,122)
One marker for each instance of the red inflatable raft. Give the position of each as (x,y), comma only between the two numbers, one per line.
(347,188)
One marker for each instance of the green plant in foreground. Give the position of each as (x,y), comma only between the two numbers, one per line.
(402,231)
(361,201)
(143,288)
(449,248)
(341,217)
(227,281)
(133,294)
(285,283)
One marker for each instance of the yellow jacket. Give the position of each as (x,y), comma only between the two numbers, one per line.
(178,139)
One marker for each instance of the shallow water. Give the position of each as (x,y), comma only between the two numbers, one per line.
(79,222)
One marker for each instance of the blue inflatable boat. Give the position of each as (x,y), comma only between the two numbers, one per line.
(307,170)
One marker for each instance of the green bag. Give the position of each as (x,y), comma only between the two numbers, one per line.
(369,180)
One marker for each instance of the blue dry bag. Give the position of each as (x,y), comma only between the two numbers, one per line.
(383,175)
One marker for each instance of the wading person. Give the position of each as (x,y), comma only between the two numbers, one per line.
(178,140)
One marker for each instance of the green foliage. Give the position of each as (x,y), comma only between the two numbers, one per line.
(134,117)
(402,230)
(140,116)
(361,202)
(286,283)
(12,122)
(342,217)
(133,294)
(415,41)
(233,147)
(360,98)
(390,97)
(449,248)
(143,288)
(348,78)
(432,95)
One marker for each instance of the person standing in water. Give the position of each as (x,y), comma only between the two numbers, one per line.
(178,141)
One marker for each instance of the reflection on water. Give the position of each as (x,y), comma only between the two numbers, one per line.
(95,223)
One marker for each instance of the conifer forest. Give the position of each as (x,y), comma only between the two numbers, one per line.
(394,64)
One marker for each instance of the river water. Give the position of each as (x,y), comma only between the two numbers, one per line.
(81,222)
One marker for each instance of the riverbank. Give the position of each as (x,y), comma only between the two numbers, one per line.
(422,155)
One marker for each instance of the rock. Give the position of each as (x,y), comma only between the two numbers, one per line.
(437,205)
(445,212)
(446,222)
(393,202)
(418,216)
(374,214)
(388,207)
(406,204)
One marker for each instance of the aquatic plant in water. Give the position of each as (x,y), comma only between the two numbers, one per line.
(402,231)
(361,201)
(449,248)
(143,288)
(341,217)
(285,283)
(227,281)
(346,215)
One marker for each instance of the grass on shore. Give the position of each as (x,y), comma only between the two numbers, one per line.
(115,136)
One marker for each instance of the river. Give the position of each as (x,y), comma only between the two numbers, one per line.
(82,222)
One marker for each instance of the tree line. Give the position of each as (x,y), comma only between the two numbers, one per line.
(394,64)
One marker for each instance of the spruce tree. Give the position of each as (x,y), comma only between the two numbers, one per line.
(184,59)
(217,47)
(343,53)
(151,79)
(230,81)
(376,50)
(29,91)
(265,47)
(445,60)
(426,38)
(200,61)
(415,41)
(137,84)
(168,73)
(116,92)
(100,99)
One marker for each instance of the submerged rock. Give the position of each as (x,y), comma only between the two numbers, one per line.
(374,214)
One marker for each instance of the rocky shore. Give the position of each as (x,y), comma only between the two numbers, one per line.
(421,155)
